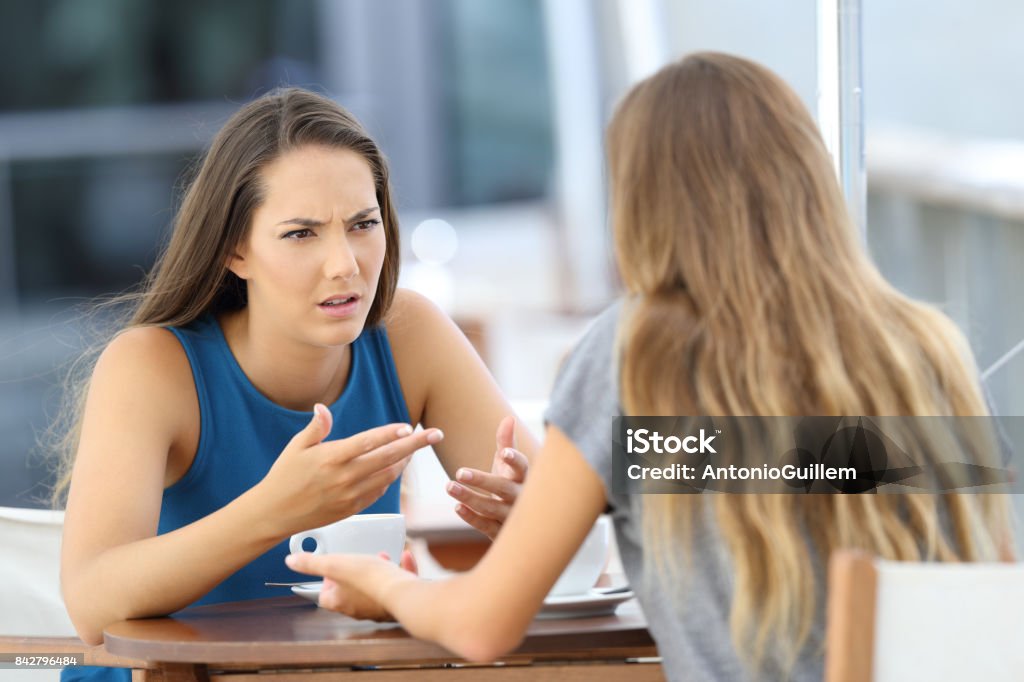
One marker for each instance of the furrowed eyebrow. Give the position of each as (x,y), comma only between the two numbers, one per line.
(312,222)
(362,214)
(302,222)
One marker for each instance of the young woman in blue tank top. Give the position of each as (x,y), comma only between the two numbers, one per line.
(268,381)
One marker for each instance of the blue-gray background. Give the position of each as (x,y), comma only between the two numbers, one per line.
(491,112)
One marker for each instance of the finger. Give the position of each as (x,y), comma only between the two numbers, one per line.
(506,435)
(332,600)
(484,505)
(317,428)
(333,596)
(408,562)
(488,527)
(381,436)
(352,603)
(507,490)
(315,564)
(515,464)
(371,486)
(391,453)
(369,489)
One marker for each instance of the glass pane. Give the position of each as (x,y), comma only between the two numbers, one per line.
(117,52)
(497,101)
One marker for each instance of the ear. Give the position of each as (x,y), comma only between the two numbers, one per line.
(237,264)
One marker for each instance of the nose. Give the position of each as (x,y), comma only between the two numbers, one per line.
(340,262)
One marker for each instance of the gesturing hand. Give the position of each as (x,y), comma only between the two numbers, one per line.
(343,590)
(485,499)
(316,482)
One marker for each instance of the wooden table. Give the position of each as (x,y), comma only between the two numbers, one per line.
(288,639)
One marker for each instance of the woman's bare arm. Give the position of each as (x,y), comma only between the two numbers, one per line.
(484,613)
(141,397)
(447,386)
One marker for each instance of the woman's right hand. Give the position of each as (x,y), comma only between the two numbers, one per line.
(316,482)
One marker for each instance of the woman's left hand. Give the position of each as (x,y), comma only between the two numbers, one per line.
(354,584)
(485,499)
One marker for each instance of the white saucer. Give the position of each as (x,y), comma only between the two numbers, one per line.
(310,591)
(589,605)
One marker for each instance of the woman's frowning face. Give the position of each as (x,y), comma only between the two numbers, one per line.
(315,249)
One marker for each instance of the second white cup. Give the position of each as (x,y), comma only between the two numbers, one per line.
(586,566)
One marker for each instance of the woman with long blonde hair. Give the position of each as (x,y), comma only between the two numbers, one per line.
(748,294)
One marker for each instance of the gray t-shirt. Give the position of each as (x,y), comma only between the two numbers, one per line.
(691,629)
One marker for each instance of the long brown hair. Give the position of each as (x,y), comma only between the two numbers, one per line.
(190,277)
(754,296)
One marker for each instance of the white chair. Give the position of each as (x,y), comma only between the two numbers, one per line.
(893,621)
(30,601)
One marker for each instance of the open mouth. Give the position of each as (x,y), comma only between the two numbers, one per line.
(340,307)
(339,301)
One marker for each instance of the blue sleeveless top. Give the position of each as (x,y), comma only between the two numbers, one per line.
(241,434)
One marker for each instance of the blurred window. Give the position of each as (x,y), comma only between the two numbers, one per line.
(85,226)
(107,103)
(498,101)
(118,52)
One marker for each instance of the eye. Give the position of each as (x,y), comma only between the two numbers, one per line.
(366,225)
(298,234)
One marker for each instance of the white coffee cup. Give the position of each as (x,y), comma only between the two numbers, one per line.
(586,566)
(358,534)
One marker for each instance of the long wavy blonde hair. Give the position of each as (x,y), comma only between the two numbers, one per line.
(191,278)
(754,296)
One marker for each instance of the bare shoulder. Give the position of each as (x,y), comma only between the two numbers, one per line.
(145,370)
(416,326)
(410,310)
(422,339)
(143,353)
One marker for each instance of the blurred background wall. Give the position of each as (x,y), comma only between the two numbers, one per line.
(491,112)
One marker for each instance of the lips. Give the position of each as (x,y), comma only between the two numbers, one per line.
(340,306)
(340,299)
